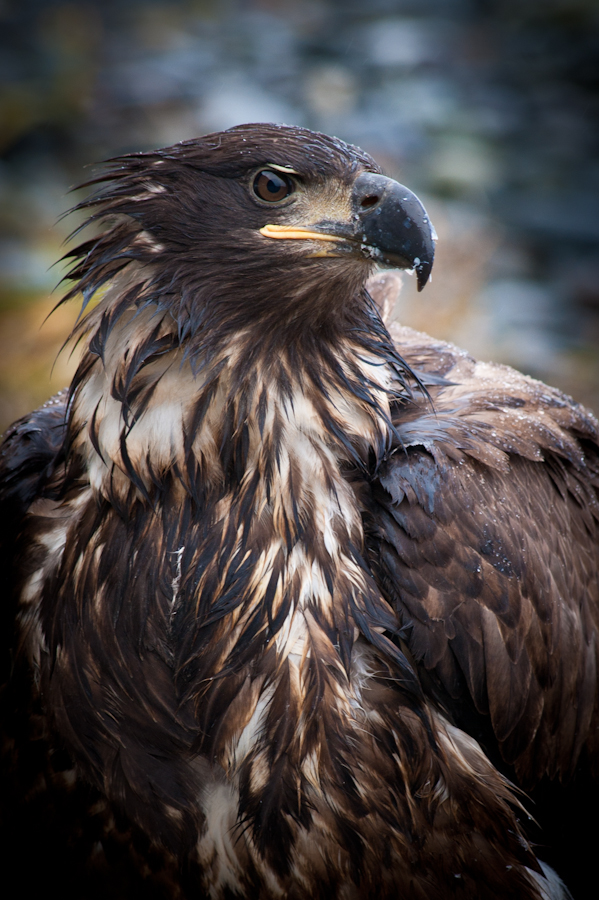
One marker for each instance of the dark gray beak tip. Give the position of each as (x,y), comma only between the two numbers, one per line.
(423,271)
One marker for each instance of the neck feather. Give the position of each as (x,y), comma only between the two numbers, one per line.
(245,459)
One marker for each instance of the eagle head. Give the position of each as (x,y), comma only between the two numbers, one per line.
(251,224)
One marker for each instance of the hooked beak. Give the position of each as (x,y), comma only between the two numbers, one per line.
(388,224)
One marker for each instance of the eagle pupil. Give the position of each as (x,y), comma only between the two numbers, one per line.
(271,186)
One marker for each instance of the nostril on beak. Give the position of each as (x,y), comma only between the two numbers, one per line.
(371,200)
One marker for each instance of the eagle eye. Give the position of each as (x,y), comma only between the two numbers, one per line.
(272,186)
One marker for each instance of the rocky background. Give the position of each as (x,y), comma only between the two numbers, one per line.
(488,109)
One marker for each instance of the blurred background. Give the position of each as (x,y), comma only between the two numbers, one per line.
(488,109)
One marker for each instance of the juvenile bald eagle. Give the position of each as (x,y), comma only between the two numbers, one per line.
(291,595)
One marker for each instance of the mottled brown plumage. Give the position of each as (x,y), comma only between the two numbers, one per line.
(273,581)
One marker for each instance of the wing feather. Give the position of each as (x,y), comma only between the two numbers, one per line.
(484,535)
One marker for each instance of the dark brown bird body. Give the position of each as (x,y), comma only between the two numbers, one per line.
(273,581)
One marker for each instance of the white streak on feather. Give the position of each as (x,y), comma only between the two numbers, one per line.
(251,733)
(217,845)
(176,582)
